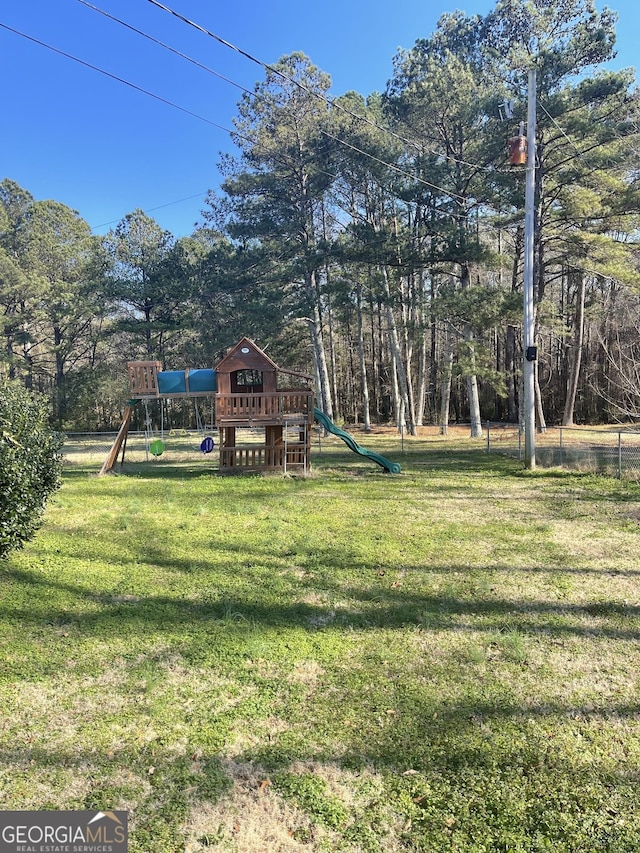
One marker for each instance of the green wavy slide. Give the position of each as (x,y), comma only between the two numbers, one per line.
(352,444)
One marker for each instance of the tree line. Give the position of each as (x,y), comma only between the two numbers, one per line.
(376,241)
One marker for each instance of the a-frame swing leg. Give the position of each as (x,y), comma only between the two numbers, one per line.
(112,457)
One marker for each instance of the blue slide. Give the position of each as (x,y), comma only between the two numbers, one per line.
(352,444)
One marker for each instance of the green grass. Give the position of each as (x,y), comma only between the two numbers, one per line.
(445,660)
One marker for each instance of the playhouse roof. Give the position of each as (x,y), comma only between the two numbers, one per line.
(245,355)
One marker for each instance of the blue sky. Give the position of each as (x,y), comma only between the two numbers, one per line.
(103,148)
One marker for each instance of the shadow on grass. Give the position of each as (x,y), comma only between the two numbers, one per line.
(143,470)
(56,604)
(514,764)
(489,767)
(338,464)
(279,543)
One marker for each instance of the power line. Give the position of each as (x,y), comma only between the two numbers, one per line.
(331,102)
(395,168)
(132,86)
(253,94)
(260,97)
(166,46)
(114,77)
(227,130)
(152,209)
(568,138)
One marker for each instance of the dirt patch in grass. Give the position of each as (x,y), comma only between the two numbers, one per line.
(310,807)
(252,818)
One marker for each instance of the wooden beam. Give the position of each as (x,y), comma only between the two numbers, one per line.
(110,461)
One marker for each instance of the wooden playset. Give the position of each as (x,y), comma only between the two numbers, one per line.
(250,393)
(263,424)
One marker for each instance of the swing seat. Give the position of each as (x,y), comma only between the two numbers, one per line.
(207,445)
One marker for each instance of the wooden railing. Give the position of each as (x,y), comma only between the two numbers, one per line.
(259,456)
(143,378)
(263,407)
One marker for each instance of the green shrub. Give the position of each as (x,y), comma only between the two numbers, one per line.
(30,464)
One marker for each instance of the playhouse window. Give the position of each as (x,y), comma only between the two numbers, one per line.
(248,377)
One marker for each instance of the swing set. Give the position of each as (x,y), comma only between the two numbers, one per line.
(156,440)
(149,383)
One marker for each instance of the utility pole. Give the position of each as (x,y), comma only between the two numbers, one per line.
(530,351)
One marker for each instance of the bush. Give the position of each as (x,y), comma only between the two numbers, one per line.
(30,464)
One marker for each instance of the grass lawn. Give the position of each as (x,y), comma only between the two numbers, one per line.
(445,660)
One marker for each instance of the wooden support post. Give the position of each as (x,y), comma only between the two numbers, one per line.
(110,461)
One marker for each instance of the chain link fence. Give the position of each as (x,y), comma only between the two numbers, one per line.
(89,450)
(603,450)
(170,447)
